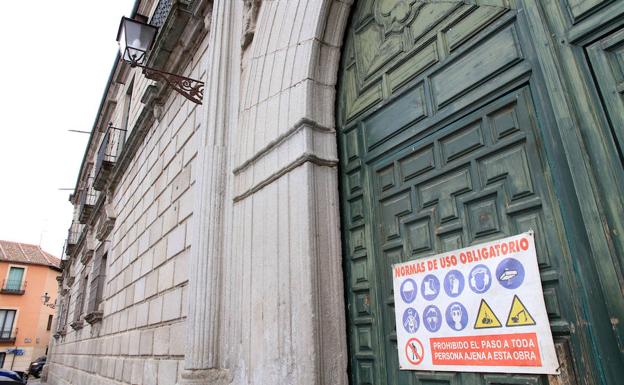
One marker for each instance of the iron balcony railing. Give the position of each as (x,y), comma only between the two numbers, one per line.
(160,14)
(13,286)
(107,155)
(8,335)
(73,235)
(88,197)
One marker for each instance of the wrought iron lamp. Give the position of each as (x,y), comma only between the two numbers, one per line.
(45,298)
(135,38)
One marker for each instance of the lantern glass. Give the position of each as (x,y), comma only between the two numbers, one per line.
(135,39)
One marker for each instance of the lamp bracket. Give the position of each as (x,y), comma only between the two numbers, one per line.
(190,88)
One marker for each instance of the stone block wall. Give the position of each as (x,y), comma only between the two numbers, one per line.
(266,169)
(140,339)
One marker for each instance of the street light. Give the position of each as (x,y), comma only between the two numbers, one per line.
(45,298)
(135,38)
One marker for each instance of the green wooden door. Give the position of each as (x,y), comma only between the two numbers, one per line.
(445,141)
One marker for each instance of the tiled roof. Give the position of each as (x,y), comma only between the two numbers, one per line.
(25,253)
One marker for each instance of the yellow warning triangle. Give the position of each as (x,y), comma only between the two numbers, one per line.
(518,314)
(486,318)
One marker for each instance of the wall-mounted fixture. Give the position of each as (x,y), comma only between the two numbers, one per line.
(135,38)
(45,298)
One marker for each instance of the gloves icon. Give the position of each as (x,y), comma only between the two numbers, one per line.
(454,284)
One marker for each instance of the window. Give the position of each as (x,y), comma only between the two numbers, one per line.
(63,313)
(96,290)
(14,281)
(6,324)
(79,306)
(125,118)
(49,327)
(2,356)
(85,285)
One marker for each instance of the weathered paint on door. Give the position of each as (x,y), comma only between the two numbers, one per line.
(447,140)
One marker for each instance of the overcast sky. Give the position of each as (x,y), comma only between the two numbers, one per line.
(55,60)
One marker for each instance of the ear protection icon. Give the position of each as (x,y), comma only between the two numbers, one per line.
(480,279)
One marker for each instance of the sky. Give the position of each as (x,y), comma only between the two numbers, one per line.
(55,60)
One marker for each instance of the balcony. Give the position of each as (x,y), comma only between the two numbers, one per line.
(88,197)
(175,20)
(8,336)
(13,286)
(160,14)
(73,235)
(107,155)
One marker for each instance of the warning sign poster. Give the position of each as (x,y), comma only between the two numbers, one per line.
(478,309)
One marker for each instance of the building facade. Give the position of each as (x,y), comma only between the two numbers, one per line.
(27,296)
(248,240)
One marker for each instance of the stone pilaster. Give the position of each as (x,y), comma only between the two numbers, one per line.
(202,362)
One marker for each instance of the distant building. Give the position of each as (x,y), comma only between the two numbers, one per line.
(250,240)
(29,278)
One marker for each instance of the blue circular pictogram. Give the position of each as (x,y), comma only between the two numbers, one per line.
(430,287)
(432,318)
(408,290)
(510,273)
(454,283)
(411,320)
(456,316)
(480,279)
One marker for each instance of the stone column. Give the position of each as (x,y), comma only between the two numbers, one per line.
(201,361)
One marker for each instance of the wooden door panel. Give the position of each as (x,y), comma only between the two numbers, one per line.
(440,148)
(486,180)
(579,8)
(607,59)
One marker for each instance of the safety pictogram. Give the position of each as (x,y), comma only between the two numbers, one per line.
(411,321)
(486,318)
(408,290)
(468,316)
(518,314)
(414,351)
(510,273)
(480,279)
(456,316)
(432,318)
(430,287)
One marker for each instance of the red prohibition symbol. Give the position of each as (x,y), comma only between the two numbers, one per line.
(414,351)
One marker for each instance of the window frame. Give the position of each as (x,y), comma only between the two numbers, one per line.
(8,273)
(13,323)
(127,107)
(50,319)
(96,286)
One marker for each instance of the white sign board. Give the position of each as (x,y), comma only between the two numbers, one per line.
(478,309)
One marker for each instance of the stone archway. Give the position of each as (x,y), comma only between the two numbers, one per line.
(286,166)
